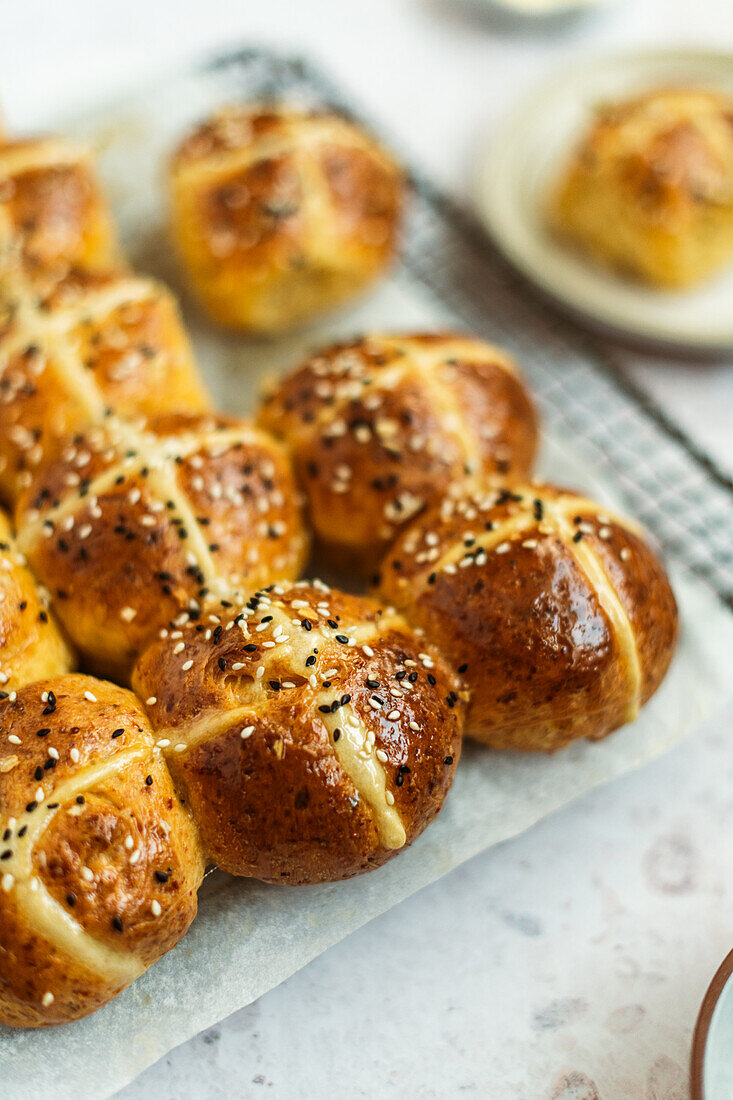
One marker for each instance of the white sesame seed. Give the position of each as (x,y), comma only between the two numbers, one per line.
(604,533)
(90,696)
(74,754)
(625,554)
(129,843)
(186,665)
(503,547)
(389,798)
(393,715)
(8,882)
(39,795)
(151,700)
(367,651)
(163,743)
(127,614)
(180,747)
(135,856)
(14,739)
(381,756)
(247,732)
(47,999)
(87,874)
(156,909)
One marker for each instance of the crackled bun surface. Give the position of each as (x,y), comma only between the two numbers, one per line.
(281,214)
(52,211)
(384,426)
(31,645)
(87,342)
(312,734)
(132,523)
(99,861)
(555,611)
(650,188)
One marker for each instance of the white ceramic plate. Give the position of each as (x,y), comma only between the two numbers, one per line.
(525,158)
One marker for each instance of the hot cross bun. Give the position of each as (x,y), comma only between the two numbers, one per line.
(555,611)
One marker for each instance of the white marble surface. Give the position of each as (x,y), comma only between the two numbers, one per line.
(565,965)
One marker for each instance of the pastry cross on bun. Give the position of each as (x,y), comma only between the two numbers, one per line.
(87,342)
(52,212)
(31,645)
(99,862)
(555,611)
(312,733)
(384,426)
(280,214)
(132,524)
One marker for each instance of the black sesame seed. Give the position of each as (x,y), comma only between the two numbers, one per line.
(161,876)
(222,664)
(148,780)
(44,732)
(275,685)
(71,899)
(118,733)
(310,661)
(448,760)
(307,624)
(431,679)
(117,924)
(80,799)
(462,668)
(336,734)
(342,638)
(38,773)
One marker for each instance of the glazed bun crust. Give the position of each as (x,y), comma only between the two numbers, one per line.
(558,614)
(87,342)
(52,211)
(100,863)
(31,644)
(311,732)
(133,524)
(385,426)
(650,188)
(279,214)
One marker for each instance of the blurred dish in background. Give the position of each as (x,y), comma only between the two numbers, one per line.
(711,1067)
(542,9)
(524,162)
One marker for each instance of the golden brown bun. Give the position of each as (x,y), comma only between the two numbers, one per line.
(312,733)
(557,613)
(52,212)
(650,188)
(280,215)
(31,645)
(88,341)
(99,862)
(384,426)
(129,524)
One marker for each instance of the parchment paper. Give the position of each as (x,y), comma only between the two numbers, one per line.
(249,937)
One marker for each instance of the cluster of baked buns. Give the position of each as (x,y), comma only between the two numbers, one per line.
(282,729)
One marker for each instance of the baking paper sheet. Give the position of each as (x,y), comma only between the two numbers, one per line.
(249,937)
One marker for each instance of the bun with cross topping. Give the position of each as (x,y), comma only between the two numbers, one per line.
(133,525)
(649,188)
(52,213)
(384,426)
(87,342)
(555,611)
(31,644)
(99,861)
(312,733)
(281,214)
